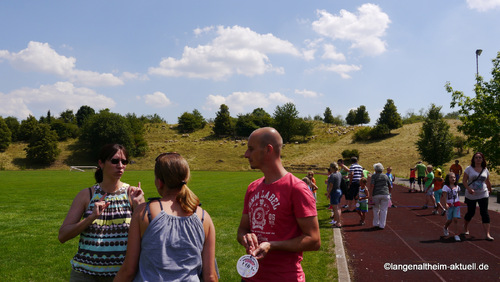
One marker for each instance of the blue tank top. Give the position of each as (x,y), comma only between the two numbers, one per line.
(171,248)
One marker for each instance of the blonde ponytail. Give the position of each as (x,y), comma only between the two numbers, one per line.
(173,170)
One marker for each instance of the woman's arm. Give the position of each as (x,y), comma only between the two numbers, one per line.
(72,225)
(208,253)
(466,183)
(129,268)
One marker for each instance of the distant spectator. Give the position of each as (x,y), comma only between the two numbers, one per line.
(421,172)
(412,179)
(335,193)
(429,188)
(355,174)
(456,168)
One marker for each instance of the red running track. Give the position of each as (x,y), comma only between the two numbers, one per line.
(413,238)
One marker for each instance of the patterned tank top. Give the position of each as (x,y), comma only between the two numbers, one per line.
(102,246)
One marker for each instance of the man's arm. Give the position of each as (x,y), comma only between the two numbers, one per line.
(309,240)
(244,237)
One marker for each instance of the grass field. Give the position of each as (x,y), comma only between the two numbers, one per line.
(33,205)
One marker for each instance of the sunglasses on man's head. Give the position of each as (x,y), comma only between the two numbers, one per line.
(165,154)
(116,161)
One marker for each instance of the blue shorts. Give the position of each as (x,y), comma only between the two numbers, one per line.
(453,212)
(335,196)
(438,194)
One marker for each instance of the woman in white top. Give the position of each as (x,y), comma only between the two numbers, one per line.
(478,186)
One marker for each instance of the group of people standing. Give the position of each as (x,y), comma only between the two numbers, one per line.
(363,188)
(477,185)
(171,238)
(359,186)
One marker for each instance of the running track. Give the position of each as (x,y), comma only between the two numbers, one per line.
(413,237)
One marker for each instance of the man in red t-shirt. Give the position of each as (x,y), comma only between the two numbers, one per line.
(456,169)
(279,219)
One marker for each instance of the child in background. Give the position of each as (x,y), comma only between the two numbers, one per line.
(428,188)
(314,187)
(438,183)
(362,205)
(450,193)
(412,179)
(391,180)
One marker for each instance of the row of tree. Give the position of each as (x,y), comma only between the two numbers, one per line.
(480,116)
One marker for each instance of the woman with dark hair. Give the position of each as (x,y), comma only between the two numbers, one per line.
(171,238)
(101,215)
(478,186)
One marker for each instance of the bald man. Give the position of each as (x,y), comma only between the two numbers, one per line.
(279,219)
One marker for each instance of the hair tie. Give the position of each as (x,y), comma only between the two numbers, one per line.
(183,183)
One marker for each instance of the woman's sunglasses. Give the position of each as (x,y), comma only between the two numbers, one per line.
(116,161)
(165,154)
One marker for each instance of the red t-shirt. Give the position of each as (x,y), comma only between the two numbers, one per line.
(272,210)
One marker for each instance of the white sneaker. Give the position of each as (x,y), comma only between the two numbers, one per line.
(445,231)
(333,222)
(457,238)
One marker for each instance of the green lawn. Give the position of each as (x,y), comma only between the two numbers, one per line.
(33,205)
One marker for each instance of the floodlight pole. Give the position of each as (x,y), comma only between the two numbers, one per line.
(478,53)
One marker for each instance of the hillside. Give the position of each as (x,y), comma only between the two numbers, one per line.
(205,153)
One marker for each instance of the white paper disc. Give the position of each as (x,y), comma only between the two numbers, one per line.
(247,266)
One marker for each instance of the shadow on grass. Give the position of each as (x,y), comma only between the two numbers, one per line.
(79,156)
(374,141)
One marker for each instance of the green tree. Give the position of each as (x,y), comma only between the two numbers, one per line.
(435,143)
(189,122)
(245,125)
(328,116)
(64,130)
(13,125)
(83,114)
(68,117)
(223,123)
(350,119)
(304,128)
(390,116)
(285,121)
(137,128)
(26,128)
(480,115)
(261,118)
(5,135)
(106,127)
(42,148)
(362,116)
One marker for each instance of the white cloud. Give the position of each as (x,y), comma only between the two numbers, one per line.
(483,5)
(40,57)
(307,93)
(364,30)
(332,54)
(341,69)
(199,31)
(57,98)
(245,102)
(235,50)
(157,100)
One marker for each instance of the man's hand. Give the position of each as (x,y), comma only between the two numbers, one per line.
(250,242)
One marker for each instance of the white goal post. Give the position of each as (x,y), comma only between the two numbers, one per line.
(82,167)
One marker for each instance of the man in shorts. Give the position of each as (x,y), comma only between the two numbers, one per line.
(421,172)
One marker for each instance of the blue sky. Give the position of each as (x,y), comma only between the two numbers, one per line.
(171,57)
